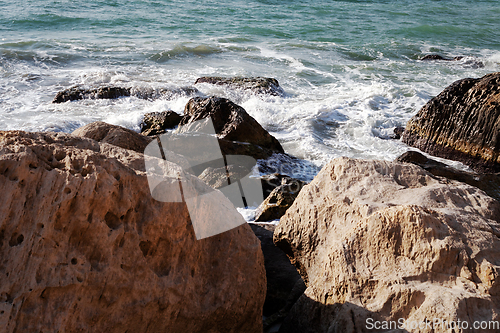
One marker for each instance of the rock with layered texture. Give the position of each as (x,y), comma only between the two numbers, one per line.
(376,240)
(462,123)
(259,85)
(85,248)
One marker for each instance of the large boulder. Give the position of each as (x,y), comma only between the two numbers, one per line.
(85,248)
(462,123)
(231,122)
(379,242)
(259,85)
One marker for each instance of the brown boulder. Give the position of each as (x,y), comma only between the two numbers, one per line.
(462,123)
(231,122)
(114,135)
(85,248)
(386,241)
(279,200)
(259,85)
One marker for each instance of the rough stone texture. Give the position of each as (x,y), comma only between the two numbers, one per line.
(385,240)
(84,247)
(488,182)
(78,93)
(260,85)
(155,123)
(114,135)
(279,200)
(231,122)
(461,123)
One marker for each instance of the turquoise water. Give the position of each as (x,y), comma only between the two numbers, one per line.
(351,69)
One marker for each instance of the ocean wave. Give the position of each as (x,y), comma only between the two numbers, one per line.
(201,50)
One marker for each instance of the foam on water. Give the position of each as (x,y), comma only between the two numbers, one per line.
(350,70)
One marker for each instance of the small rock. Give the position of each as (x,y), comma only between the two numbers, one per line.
(280,199)
(260,85)
(155,123)
(114,135)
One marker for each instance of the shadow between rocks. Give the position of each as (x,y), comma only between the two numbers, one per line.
(309,316)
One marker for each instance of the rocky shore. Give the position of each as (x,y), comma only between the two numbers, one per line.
(86,247)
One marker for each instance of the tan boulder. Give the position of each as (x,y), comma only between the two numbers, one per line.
(85,248)
(114,135)
(383,242)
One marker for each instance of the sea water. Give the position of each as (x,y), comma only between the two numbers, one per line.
(351,70)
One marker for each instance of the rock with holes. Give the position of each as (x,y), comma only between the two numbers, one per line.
(85,248)
(461,123)
(385,241)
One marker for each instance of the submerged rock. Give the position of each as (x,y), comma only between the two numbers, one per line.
(260,85)
(462,123)
(386,241)
(85,248)
(155,123)
(439,57)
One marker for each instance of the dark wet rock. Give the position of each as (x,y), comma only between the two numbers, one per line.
(279,200)
(114,135)
(231,122)
(260,85)
(462,123)
(398,132)
(283,281)
(78,93)
(489,182)
(468,62)
(439,57)
(155,123)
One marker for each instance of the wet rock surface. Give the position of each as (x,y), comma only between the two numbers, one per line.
(78,93)
(376,240)
(462,123)
(155,123)
(259,85)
